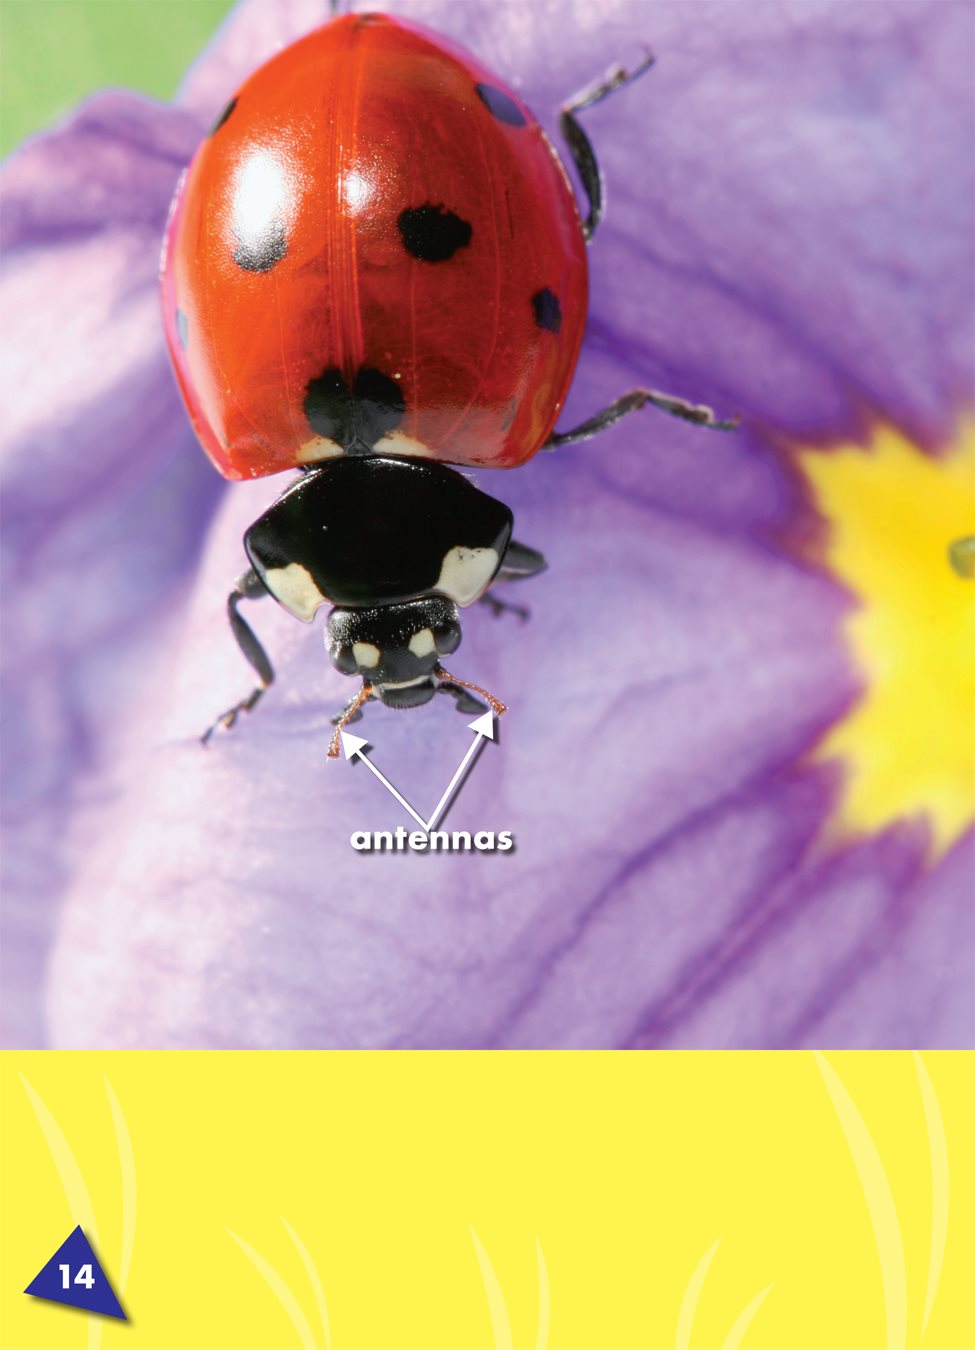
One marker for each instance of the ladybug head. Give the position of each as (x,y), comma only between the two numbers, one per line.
(396,648)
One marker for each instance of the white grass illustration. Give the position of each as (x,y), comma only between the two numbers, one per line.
(870,1170)
(879,1197)
(126,1162)
(938,1151)
(500,1322)
(692,1297)
(76,1192)
(285,1295)
(313,1280)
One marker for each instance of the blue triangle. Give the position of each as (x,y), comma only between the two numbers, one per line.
(74,1277)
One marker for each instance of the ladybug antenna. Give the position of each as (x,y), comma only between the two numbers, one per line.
(348,712)
(495,703)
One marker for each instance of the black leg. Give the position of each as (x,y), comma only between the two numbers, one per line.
(466,702)
(580,146)
(248,586)
(499,607)
(519,561)
(698,413)
(584,158)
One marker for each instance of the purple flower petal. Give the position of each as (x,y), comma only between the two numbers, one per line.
(789,222)
(104,498)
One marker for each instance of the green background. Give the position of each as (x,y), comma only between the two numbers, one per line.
(55,52)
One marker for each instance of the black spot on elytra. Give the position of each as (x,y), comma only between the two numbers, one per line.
(548,311)
(504,108)
(182,329)
(356,418)
(432,233)
(219,120)
(259,249)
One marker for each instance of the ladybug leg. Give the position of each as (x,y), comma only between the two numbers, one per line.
(248,586)
(587,166)
(499,607)
(698,413)
(464,699)
(580,146)
(519,561)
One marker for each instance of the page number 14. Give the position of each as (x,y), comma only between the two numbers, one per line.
(84,1276)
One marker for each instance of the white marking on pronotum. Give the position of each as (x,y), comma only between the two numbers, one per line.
(294,587)
(366,653)
(398,443)
(422,643)
(466,572)
(319,447)
(403,684)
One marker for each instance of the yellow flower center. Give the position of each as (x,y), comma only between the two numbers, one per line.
(908,744)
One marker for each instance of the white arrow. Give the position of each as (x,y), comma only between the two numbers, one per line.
(483,726)
(354,745)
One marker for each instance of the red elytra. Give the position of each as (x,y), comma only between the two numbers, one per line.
(374,211)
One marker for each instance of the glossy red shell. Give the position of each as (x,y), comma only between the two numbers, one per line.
(305,183)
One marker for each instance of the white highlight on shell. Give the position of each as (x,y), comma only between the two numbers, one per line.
(319,447)
(422,643)
(294,587)
(466,573)
(261,193)
(366,653)
(357,190)
(403,684)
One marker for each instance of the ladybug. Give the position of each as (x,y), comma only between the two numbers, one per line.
(375,267)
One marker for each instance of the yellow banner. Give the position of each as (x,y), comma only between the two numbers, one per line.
(263,1201)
